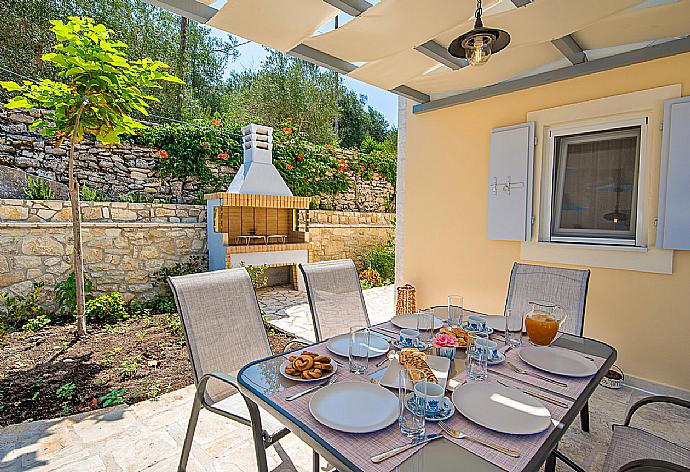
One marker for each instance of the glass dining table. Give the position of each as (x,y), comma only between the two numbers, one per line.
(261,380)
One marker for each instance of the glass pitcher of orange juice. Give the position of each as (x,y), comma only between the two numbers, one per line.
(543,321)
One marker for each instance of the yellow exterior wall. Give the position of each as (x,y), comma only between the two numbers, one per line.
(645,316)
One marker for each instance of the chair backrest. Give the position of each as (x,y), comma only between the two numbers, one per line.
(335,297)
(222,324)
(564,287)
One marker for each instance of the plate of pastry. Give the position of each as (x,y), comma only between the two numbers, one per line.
(435,368)
(308,367)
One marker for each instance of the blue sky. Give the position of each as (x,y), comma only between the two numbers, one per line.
(252,54)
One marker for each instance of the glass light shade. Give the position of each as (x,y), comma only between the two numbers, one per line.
(478,49)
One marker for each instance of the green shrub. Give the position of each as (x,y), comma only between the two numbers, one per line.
(37,188)
(66,295)
(93,195)
(129,366)
(107,308)
(112,398)
(19,310)
(164,302)
(36,324)
(134,197)
(371,278)
(381,258)
(66,394)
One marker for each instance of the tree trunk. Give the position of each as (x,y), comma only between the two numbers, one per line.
(77,255)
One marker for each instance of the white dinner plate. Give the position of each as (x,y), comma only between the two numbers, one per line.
(410,321)
(439,366)
(354,407)
(340,345)
(300,379)
(558,361)
(501,409)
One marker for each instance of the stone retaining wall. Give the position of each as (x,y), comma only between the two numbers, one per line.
(117,170)
(126,243)
(347,235)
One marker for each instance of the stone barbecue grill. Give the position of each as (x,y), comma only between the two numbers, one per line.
(257,222)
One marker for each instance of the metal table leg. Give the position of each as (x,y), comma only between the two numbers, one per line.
(259,440)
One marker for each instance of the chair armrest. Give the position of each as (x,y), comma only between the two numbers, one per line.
(299,342)
(222,376)
(654,399)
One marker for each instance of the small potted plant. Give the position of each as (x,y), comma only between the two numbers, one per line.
(445,344)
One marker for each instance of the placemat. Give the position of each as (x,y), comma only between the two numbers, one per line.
(575,385)
(357,448)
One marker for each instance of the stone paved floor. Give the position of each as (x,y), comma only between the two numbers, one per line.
(289,310)
(148,436)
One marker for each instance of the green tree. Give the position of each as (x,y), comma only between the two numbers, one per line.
(98,91)
(148,30)
(285,87)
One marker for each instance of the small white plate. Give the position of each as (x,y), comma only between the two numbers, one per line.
(300,379)
(558,361)
(340,345)
(445,413)
(438,365)
(487,330)
(499,359)
(354,407)
(410,321)
(501,409)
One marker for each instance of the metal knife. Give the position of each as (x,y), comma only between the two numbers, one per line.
(385,455)
(538,395)
(309,390)
(558,394)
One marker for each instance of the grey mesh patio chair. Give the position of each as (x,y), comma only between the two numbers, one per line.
(335,297)
(636,450)
(565,287)
(224,331)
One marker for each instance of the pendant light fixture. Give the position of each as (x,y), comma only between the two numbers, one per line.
(480,43)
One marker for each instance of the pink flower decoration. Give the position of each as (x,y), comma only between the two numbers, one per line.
(444,340)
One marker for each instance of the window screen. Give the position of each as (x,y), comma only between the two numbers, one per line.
(595,185)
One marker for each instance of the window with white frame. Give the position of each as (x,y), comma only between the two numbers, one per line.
(595,184)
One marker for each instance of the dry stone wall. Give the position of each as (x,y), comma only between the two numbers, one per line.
(126,243)
(126,168)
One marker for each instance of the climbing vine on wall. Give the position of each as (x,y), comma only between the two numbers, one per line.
(308,169)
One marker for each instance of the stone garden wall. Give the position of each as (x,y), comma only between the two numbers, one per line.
(117,170)
(126,243)
(347,235)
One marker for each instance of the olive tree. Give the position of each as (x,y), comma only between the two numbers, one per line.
(97,92)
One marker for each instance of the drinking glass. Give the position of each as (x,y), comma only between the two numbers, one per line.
(455,311)
(426,321)
(358,353)
(412,413)
(513,328)
(477,359)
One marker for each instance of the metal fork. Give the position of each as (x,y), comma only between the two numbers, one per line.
(458,435)
(538,376)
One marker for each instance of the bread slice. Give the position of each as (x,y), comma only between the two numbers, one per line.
(414,359)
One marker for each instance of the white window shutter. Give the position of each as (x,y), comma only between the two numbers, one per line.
(510,183)
(673,230)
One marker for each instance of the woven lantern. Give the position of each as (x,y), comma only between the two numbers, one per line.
(406,302)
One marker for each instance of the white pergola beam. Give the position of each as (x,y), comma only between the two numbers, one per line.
(440,54)
(570,49)
(195,11)
(670,48)
(309,54)
(351,7)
